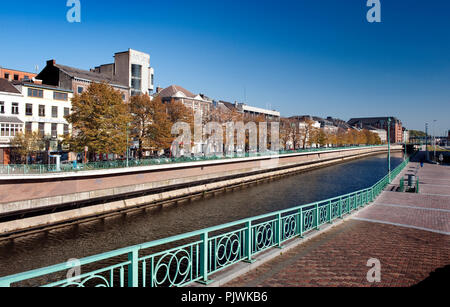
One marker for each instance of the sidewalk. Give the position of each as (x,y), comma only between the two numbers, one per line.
(408,233)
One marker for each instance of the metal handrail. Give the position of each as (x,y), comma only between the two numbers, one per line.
(208,251)
(30,169)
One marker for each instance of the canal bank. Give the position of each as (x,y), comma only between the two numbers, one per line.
(183,184)
(116,232)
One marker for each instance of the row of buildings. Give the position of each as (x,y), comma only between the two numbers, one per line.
(39,102)
(377,125)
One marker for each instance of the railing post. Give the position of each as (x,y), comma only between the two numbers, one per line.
(204,258)
(317,217)
(279,236)
(329,212)
(301,222)
(133,269)
(340,208)
(249,242)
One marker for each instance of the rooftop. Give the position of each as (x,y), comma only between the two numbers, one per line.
(7,87)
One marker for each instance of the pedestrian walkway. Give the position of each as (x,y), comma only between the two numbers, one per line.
(408,233)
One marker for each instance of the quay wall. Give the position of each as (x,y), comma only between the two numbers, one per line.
(95,193)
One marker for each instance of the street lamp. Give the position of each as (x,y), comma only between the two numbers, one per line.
(128,145)
(426,141)
(389,148)
(434,140)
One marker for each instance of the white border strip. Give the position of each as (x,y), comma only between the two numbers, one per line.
(401,225)
(412,207)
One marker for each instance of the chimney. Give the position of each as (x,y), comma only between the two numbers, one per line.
(51,63)
(158,90)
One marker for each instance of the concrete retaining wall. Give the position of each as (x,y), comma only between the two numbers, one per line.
(158,185)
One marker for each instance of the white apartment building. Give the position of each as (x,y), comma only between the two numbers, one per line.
(10,123)
(43,109)
(255,111)
(30,107)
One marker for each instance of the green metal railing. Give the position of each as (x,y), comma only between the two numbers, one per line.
(195,256)
(36,169)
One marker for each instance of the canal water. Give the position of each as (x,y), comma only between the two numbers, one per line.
(84,240)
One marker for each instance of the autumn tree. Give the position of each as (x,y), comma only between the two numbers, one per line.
(287,132)
(158,135)
(26,144)
(178,112)
(99,119)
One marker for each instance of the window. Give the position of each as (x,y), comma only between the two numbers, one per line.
(80,89)
(66,112)
(41,111)
(136,79)
(35,93)
(4,130)
(54,112)
(16,77)
(2,107)
(6,76)
(28,128)
(26,77)
(66,130)
(136,71)
(15,108)
(10,129)
(54,130)
(41,129)
(29,109)
(60,96)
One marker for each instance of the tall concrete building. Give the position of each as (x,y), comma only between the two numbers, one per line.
(131,68)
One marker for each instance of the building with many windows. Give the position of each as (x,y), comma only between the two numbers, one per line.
(77,80)
(15,75)
(131,68)
(10,122)
(30,107)
(44,108)
(190,100)
(396,128)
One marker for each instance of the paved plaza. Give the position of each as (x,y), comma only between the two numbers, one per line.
(408,233)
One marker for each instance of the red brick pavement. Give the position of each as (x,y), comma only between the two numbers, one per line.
(339,258)
(410,199)
(434,220)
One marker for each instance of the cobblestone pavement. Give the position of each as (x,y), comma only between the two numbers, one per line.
(408,233)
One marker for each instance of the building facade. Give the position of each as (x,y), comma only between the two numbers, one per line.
(10,123)
(26,107)
(250,111)
(395,129)
(43,110)
(131,68)
(191,101)
(15,75)
(78,80)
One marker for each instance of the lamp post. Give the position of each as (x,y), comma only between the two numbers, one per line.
(128,145)
(434,140)
(426,141)
(389,148)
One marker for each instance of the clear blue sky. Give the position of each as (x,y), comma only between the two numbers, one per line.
(300,57)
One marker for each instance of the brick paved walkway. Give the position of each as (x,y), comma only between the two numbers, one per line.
(408,233)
